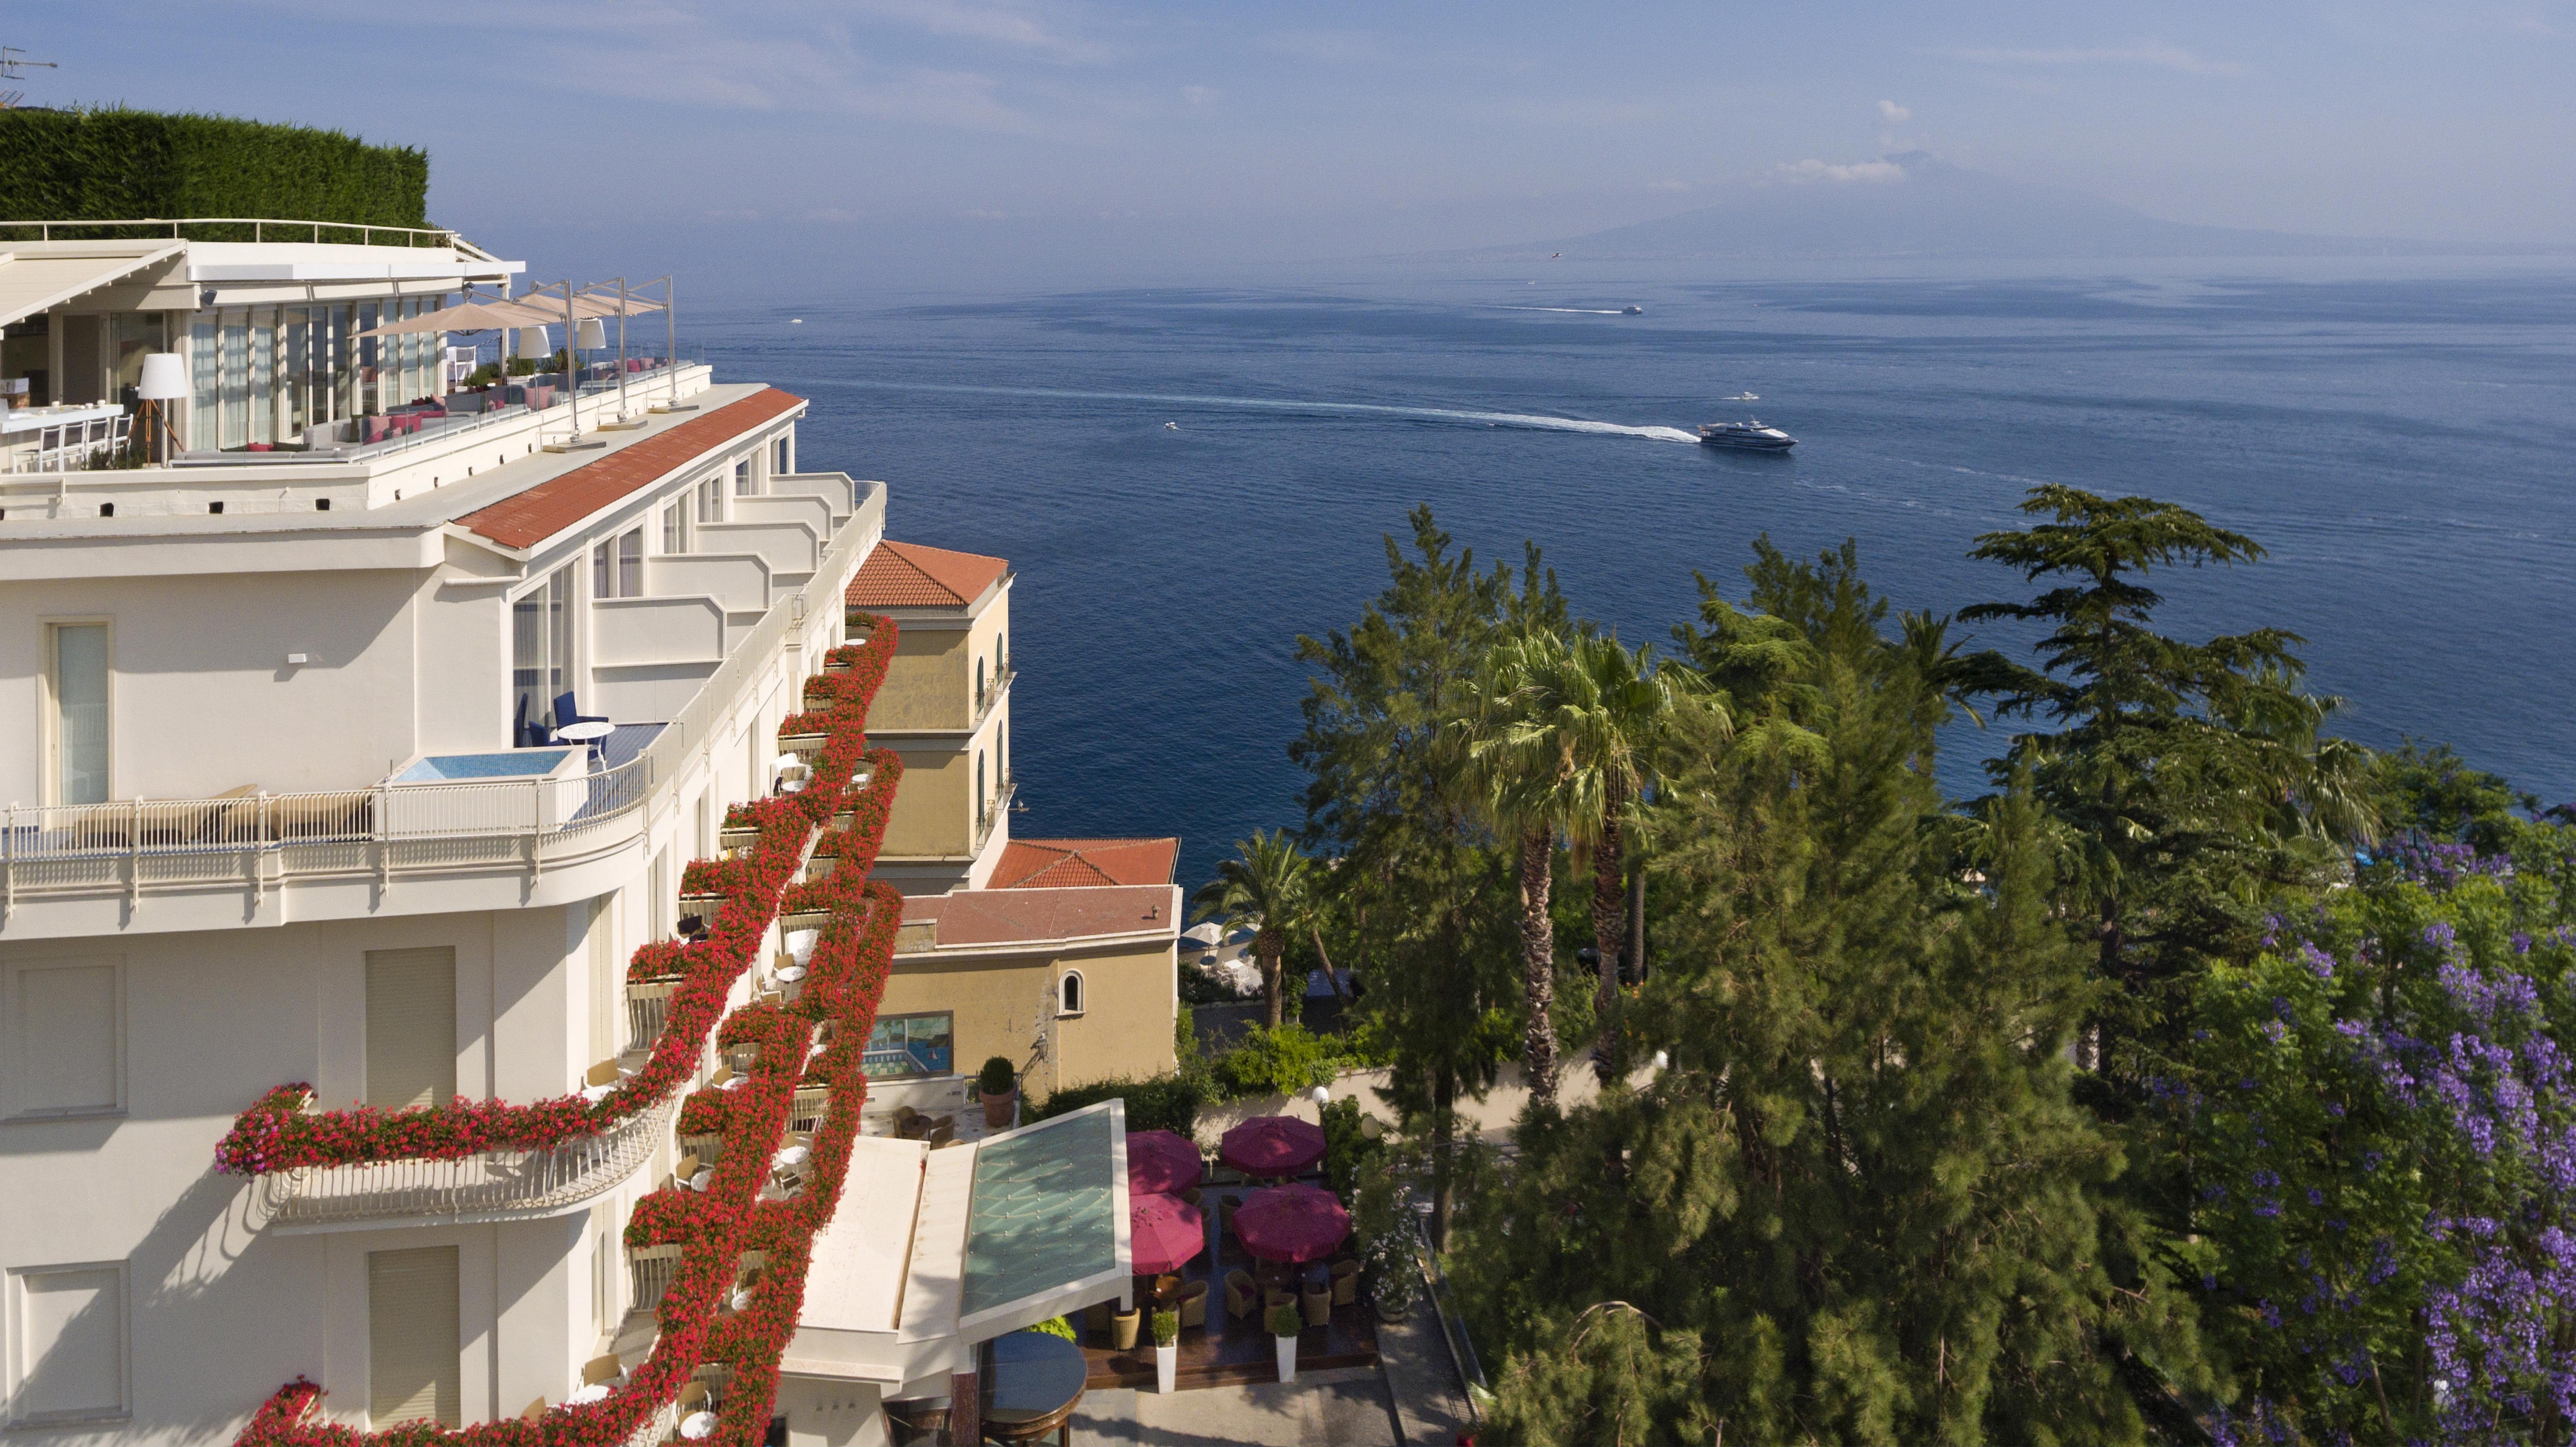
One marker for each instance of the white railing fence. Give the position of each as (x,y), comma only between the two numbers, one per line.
(488,1182)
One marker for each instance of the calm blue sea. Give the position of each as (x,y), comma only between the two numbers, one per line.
(2401,446)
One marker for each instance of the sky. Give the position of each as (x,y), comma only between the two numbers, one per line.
(824,143)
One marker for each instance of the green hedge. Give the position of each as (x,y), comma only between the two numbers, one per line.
(123,165)
(1166,1102)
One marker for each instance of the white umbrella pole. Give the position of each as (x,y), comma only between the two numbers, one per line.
(622,413)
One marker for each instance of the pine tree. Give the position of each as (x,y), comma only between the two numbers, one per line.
(1861,1205)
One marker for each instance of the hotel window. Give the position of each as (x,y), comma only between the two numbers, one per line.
(599,944)
(370,355)
(904,1047)
(66,1039)
(297,325)
(540,654)
(69,1323)
(742,478)
(780,467)
(617,566)
(79,716)
(1068,993)
(979,783)
(263,375)
(201,383)
(710,502)
(235,380)
(340,368)
(414,1350)
(675,528)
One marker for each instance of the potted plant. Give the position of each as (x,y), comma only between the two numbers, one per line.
(1122,1328)
(997,1085)
(1167,1349)
(1285,1322)
(1397,1282)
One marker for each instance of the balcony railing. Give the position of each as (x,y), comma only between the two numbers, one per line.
(640,387)
(490,1183)
(993,812)
(307,232)
(992,694)
(259,842)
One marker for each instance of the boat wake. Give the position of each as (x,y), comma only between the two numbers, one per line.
(1572,311)
(1536,422)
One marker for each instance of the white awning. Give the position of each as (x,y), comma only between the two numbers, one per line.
(35,281)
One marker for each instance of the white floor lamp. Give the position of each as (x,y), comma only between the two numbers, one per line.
(165,379)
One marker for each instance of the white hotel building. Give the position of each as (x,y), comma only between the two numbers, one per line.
(287,805)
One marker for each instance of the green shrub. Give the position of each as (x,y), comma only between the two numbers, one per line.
(1280,1062)
(1059,1326)
(997,1076)
(1285,1321)
(1165,1102)
(1167,1328)
(117,164)
(1346,1147)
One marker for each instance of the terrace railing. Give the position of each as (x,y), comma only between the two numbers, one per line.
(260,842)
(261,227)
(488,1183)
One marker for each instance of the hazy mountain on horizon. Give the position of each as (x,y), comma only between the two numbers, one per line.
(1916,204)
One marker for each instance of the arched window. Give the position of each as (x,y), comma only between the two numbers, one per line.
(1068,993)
(979,781)
(979,683)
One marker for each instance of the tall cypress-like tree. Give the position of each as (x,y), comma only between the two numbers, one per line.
(1419,891)
(1861,1205)
(2192,778)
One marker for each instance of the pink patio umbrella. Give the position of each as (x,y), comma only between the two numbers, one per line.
(1163,1232)
(1158,1160)
(1291,1223)
(1273,1145)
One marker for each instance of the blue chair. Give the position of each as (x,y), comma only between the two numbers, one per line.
(568,711)
(524,734)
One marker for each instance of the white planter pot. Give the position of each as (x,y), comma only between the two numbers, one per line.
(1167,1366)
(1287,1346)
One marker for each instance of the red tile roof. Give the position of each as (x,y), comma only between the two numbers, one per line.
(1084,863)
(908,575)
(1032,916)
(548,508)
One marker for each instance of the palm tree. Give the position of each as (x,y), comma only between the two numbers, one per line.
(1518,773)
(1265,887)
(1591,720)
(1621,713)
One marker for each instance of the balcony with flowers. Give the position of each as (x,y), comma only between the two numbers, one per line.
(753,1082)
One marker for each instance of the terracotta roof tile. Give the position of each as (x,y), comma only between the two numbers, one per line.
(1084,863)
(1029,916)
(548,508)
(908,575)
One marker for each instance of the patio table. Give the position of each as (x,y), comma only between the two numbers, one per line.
(1030,1385)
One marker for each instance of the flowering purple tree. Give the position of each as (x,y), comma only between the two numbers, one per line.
(2381,1126)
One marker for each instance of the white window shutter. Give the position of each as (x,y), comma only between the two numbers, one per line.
(411,1027)
(413,1350)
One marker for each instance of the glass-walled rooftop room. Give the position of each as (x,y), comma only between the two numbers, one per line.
(268,377)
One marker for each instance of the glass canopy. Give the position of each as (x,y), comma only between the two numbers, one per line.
(1049,1214)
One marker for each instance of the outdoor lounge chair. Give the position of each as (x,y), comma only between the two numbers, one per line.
(1193,1304)
(1241,1296)
(1318,1301)
(1346,1283)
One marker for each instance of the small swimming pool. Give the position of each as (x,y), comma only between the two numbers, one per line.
(512,764)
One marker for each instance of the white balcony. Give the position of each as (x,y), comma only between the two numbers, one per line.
(490,1186)
(532,841)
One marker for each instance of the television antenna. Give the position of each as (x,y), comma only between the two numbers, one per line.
(13,66)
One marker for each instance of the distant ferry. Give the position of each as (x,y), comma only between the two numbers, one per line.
(1749,436)
(1632,311)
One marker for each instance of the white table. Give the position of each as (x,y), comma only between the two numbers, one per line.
(589,735)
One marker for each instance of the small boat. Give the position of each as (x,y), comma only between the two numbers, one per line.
(1632,311)
(1740,397)
(1171,427)
(1748,436)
